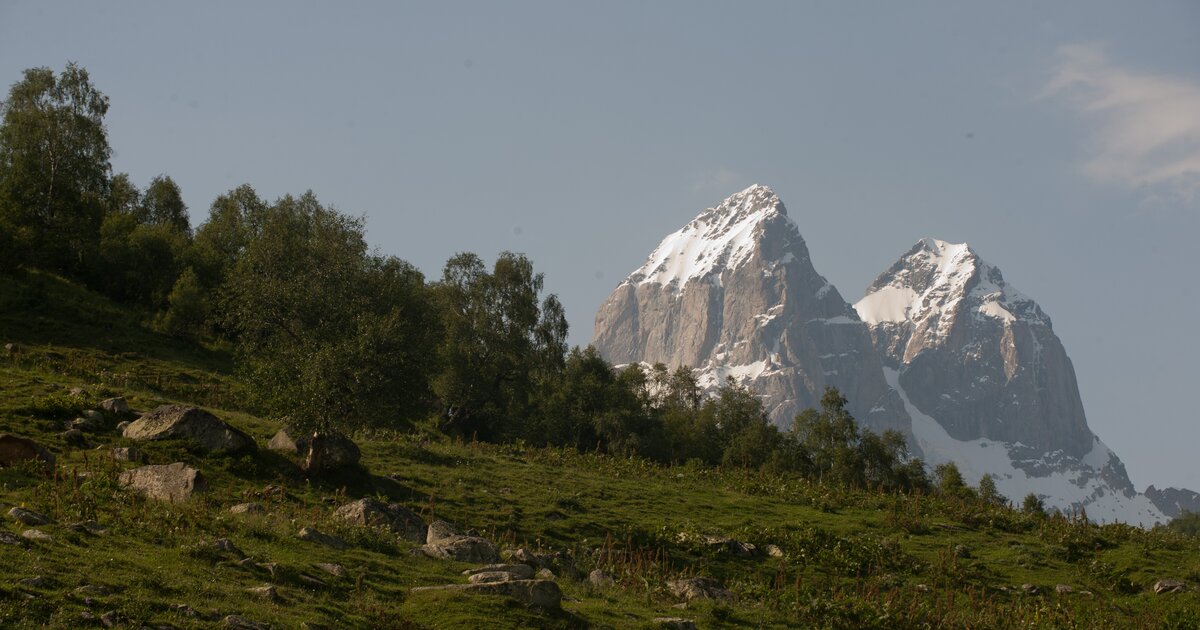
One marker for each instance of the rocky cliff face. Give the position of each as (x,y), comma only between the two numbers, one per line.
(734,293)
(988,384)
(1174,501)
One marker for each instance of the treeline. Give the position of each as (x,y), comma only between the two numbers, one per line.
(333,337)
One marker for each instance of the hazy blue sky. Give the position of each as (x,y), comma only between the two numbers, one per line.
(1062,140)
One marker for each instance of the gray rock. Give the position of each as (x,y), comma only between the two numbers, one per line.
(116,406)
(191,424)
(8,538)
(545,574)
(439,530)
(394,517)
(333,569)
(773,550)
(37,534)
(690,589)
(225,545)
(16,450)
(94,590)
(266,591)
(1064,589)
(77,392)
(1169,586)
(75,437)
(674,623)
(601,579)
(28,517)
(170,482)
(538,593)
(238,622)
(490,576)
(1029,589)
(462,549)
(312,535)
(248,508)
(127,454)
(35,582)
(340,451)
(516,571)
(122,425)
(763,304)
(88,527)
(110,619)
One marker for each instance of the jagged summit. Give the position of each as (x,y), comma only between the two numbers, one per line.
(938,279)
(719,238)
(734,294)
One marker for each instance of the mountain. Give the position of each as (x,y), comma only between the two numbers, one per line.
(989,385)
(734,294)
(1174,501)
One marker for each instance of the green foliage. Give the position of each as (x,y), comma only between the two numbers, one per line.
(188,307)
(1032,505)
(54,169)
(330,337)
(988,492)
(1187,523)
(498,346)
(950,481)
(162,204)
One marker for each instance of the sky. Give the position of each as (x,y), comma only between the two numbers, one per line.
(1061,140)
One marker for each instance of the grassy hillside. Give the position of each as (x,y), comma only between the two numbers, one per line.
(849,559)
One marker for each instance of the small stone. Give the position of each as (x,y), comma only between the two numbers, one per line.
(601,579)
(35,582)
(185,610)
(11,348)
(28,517)
(545,574)
(271,568)
(7,538)
(88,527)
(1063,589)
(517,571)
(773,550)
(333,569)
(238,622)
(248,508)
(312,535)
(122,425)
(126,454)
(484,577)
(674,623)
(1029,589)
(1169,586)
(923,588)
(93,590)
(312,581)
(76,392)
(266,591)
(962,551)
(690,589)
(74,437)
(226,546)
(36,534)
(110,619)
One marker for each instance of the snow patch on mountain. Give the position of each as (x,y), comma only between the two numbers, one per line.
(1068,483)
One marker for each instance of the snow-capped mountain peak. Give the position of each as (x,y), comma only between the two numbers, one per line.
(937,278)
(722,237)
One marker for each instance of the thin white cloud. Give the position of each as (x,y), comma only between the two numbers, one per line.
(1148,134)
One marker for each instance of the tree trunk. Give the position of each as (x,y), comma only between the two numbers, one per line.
(314,463)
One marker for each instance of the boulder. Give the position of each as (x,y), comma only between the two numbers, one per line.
(1169,586)
(516,571)
(538,593)
(689,589)
(463,549)
(313,535)
(127,454)
(192,424)
(601,579)
(28,517)
(1064,589)
(333,569)
(15,450)
(773,550)
(248,508)
(266,591)
(36,534)
(370,512)
(439,530)
(340,451)
(490,576)
(169,482)
(116,406)
(7,538)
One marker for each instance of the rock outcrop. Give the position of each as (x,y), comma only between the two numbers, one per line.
(15,450)
(734,294)
(445,541)
(1174,501)
(989,385)
(192,424)
(393,517)
(340,451)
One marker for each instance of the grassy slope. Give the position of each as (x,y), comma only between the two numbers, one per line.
(852,559)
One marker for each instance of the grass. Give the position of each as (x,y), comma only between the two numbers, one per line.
(851,558)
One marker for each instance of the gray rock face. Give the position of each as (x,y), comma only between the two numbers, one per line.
(446,542)
(170,482)
(340,451)
(116,406)
(979,366)
(734,293)
(192,424)
(395,517)
(1174,501)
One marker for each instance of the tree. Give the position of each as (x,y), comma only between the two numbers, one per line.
(950,480)
(1032,504)
(187,306)
(331,338)
(499,345)
(830,436)
(162,204)
(988,491)
(54,167)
